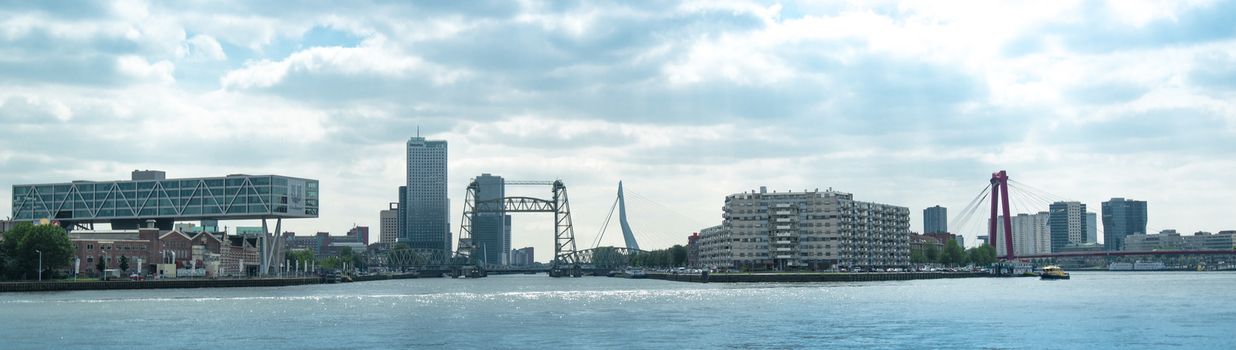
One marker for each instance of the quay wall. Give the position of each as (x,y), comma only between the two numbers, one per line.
(179,283)
(160,284)
(812,277)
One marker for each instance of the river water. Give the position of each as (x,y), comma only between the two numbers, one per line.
(1094,310)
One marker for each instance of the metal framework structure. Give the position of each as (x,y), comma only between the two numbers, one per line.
(607,257)
(399,259)
(564,231)
(134,202)
(129,204)
(1000,196)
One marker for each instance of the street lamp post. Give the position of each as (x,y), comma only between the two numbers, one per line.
(40,264)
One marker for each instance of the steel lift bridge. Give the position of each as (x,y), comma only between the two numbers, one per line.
(566,261)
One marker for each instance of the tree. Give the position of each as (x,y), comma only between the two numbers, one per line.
(932,253)
(678,255)
(656,258)
(100,266)
(24,242)
(124,263)
(303,256)
(353,260)
(3,262)
(952,254)
(982,256)
(333,262)
(917,256)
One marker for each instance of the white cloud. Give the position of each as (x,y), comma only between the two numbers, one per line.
(34,108)
(204,47)
(372,58)
(1140,12)
(686,102)
(137,67)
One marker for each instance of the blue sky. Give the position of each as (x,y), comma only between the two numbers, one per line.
(913,104)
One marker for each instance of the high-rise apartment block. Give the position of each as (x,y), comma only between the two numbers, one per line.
(807,230)
(1067,223)
(426,225)
(935,220)
(1122,218)
(1031,234)
(523,256)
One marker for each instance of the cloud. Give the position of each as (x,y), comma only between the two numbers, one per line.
(204,47)
(909,103)
(23,109)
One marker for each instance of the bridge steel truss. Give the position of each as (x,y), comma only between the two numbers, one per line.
(401,259)
(565,254)
(607,257)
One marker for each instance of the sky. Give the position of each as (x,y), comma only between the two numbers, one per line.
(912,104)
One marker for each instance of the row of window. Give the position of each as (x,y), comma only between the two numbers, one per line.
(123,247)
(263,181)
(162,211)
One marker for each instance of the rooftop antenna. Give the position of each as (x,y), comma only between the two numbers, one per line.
(418,131)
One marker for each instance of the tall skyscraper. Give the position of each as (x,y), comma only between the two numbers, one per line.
(1122,218)
(491,231)
(388,224)
(935,220)
(1092,228)
(425,222)
(401,215)
(1067,223)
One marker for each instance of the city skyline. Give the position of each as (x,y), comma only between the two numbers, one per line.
(907,104)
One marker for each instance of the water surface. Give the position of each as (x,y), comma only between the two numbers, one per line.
(1094,310)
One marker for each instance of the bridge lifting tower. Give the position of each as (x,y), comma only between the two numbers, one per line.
(566,261)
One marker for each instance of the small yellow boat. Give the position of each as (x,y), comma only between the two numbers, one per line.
(1054,272)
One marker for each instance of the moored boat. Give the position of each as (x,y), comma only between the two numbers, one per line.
(634,273)
(1054,272)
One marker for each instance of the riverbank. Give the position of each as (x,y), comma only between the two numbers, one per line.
(50,286)
(811,277)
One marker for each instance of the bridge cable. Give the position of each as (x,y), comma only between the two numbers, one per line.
(1040,192)
(605,225)
(658,240)
(962,218)
(1041,198)
(671,210)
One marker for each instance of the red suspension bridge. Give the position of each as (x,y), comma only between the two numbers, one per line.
(1000,229)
